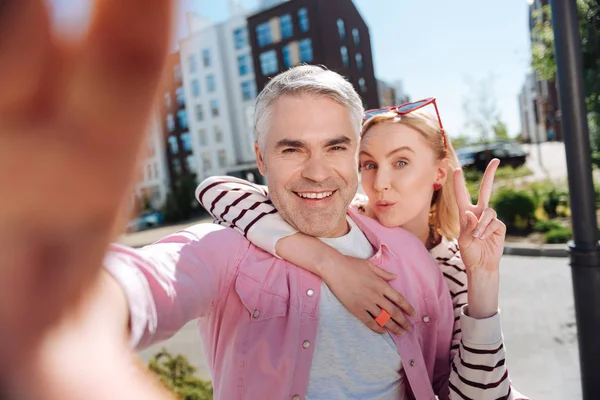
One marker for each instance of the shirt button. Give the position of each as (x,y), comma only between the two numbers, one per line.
(296,397)
(411,363)
(306,344)
(255,314)
(426,319)
(310,292)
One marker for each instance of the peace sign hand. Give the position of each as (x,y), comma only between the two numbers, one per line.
(481,238)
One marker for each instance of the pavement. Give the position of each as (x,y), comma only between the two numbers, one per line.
(538,319)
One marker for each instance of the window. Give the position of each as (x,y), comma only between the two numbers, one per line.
(155,168)
(186,140)
(263,34)
(359,61)
(210,82)
(199,112)
(287,26)
(177,73)
(180,95)
(170,123)
(191,164)
(177,166)
(148,174)
(218,134)
(245,64)
(222,155)
(182,118)
(356,36)
(268,62)
(249,90)
(303,19)
(344,53)
(362,84)
(193,62)
(214,108)
(341,28)
(173,145)
(202,137)
(287,58)
(206,162)
(195,87)
(306,52)
(168,100)
(206,57)
(240,37)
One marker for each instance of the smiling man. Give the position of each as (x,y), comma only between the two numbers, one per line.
(271,330)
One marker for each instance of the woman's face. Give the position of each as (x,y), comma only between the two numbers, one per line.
(399,169)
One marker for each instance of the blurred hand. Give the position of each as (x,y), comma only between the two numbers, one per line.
(364,290)
(72,122)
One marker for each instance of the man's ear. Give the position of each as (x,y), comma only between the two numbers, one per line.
(259,159)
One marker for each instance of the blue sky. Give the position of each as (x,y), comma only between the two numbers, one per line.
(433,46)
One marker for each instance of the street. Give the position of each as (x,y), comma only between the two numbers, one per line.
(553,160)
(539,327)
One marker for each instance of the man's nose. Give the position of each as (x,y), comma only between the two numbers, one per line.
(317,168)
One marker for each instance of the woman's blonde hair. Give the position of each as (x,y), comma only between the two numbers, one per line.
(443,214)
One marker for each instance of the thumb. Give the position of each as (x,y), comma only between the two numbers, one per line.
(470,223)
(383,274)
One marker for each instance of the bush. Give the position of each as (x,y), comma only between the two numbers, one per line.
(177,375)
(561,235)
(547,226)
(516,208)
(504,173)
(181,204)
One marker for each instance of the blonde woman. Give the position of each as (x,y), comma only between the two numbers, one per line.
(410,177)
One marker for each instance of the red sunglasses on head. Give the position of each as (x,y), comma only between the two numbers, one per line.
(407,108)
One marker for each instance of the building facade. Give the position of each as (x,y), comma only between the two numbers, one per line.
(329,33)
(219,87)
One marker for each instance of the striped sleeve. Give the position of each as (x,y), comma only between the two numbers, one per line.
(478,356)
(245,207)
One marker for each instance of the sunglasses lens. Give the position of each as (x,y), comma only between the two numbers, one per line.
(412,106)
(373,113)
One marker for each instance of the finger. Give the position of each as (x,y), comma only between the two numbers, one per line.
(25,46)
(463,200)
(401,323)
(121,62)
(487,216)
(466,230)
(383,274)
(495,227)
(487,183)
(399,300)
(369,321)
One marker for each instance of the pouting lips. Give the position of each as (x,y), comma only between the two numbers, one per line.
(315,195)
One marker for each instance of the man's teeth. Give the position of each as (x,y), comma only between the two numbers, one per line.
(315,195)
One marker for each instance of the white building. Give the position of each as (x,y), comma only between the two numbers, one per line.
(153,183)
(219,85)
(531,127)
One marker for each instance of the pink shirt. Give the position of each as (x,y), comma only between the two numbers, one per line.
(258,314)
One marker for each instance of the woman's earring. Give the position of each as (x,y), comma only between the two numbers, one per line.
(437,186)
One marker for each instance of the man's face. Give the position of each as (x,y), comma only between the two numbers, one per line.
(310,162)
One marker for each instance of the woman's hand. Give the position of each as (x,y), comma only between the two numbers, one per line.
(481,243)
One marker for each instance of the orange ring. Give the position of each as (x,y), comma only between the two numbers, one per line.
(383,318)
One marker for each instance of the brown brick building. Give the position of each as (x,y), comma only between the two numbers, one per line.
(330,33)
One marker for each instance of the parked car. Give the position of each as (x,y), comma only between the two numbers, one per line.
(478,157)
(145,221)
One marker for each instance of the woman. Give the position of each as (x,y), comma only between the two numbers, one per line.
(409,174)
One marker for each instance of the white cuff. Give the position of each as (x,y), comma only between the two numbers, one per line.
(486,331)
(268,231)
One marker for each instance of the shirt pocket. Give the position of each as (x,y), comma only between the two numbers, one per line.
(261,304)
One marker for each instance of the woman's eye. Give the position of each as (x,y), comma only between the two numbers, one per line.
(401,164)
(368,166)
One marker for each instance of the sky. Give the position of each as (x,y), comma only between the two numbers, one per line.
(436,47)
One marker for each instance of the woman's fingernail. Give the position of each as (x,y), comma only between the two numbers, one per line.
(476,233)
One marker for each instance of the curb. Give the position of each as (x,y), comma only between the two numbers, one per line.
(536,250)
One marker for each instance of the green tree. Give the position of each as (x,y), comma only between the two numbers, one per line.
(500,131)
(543,61)
(177,374)
(181,204)
(460,141)
(481,111)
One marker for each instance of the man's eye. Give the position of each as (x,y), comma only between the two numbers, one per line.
(288,151)
(338,148)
